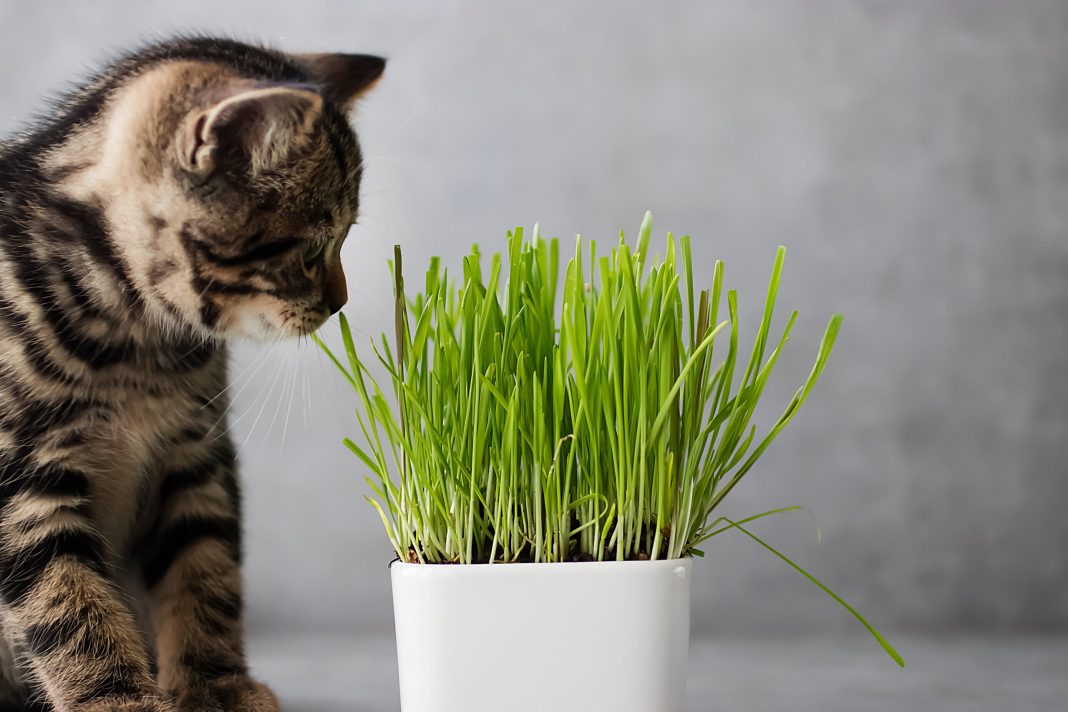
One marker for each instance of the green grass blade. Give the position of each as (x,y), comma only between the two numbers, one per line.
(838,599)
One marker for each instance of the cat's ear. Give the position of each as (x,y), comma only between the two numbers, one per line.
(251,127)
(343,78)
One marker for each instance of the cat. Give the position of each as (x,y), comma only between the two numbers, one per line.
(194,191)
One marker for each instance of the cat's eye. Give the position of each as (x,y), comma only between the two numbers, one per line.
(312,252)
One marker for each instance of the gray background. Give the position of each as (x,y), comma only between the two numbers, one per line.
(912,156)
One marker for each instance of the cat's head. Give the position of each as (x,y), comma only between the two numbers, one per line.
(231,186)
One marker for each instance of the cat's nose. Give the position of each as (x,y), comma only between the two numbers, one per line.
(337,292)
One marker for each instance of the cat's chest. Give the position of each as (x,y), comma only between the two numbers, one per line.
(133,453)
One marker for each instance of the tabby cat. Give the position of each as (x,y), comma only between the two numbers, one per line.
(195,191)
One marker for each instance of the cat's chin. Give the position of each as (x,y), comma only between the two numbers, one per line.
(252,325)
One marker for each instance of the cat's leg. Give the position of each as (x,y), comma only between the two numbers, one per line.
(78,641)
(14,693)
(191,568)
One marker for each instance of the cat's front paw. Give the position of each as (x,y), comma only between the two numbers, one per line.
(240,694)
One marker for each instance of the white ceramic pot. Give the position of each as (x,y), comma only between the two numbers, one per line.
(568,637)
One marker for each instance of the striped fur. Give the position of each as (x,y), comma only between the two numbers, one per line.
(195,191)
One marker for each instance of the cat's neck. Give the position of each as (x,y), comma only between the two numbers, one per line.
(86,198)
(60,249)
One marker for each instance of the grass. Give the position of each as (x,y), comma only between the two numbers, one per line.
(610,428)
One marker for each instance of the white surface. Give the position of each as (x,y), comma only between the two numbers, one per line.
(949,674)
(543,637)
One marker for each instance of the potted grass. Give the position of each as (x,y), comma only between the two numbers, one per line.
(551,459)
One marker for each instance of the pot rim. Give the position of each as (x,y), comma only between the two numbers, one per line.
(559,567)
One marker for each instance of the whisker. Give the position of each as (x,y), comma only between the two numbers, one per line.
(292,390)
(283,368)
(306,392)
(260,360)
(266,400)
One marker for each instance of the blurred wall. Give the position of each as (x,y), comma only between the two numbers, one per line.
(913,156)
